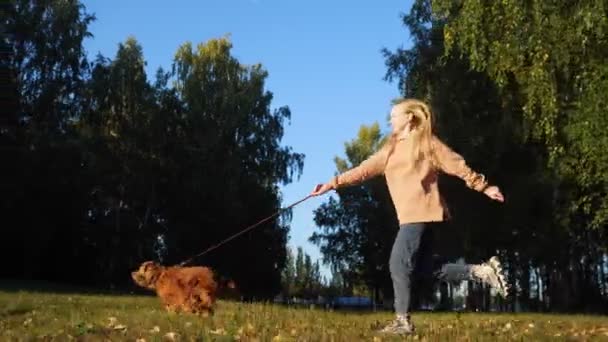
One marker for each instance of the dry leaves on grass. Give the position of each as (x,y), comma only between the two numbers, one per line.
(114,325)
(218,331)
(112,321)
(247,329)
(27,322)
(170,336)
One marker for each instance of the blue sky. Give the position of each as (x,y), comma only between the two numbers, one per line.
(323,59)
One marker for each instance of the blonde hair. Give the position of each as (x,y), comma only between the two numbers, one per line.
(419,142)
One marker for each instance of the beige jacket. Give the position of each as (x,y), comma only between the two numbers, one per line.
(414,191)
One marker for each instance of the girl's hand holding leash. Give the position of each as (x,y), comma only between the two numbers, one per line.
(320,189)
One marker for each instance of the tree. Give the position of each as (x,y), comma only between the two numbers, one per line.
(229,134)
(125,158)
(301,277)
(288,278)
(358,228)
(46,207)
(497,95)
(559,71)
(111,169)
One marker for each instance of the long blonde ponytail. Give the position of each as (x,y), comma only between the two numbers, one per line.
(419,142)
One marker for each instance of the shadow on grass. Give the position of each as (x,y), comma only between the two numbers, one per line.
(18,311)
(41,286)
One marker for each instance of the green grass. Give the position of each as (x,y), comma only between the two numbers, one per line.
(30,315)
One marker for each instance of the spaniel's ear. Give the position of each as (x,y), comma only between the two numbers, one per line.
(148,265)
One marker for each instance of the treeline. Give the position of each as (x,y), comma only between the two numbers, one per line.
(104,168)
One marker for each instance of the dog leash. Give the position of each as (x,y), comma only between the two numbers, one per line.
(243,231)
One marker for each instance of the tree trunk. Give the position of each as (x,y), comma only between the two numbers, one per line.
(539,289)
(524,295)
(602,275)
(546,289)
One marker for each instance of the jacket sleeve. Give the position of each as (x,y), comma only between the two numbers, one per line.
(372,166)
(454,164)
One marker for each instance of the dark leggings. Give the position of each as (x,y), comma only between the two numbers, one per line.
(412,261)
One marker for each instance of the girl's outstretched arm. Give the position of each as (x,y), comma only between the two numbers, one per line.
(454,164)
(372,166)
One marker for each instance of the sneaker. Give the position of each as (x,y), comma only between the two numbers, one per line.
(401,325)
(490,272)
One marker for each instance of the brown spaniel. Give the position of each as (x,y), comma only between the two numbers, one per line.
(185,289)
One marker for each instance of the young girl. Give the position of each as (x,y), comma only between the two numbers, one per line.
(410,162)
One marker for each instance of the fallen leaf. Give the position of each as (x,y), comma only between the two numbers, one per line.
(171,336)
(155,330)
(140,340)
(120,327)
(531,325)
(218,331)
(112,321)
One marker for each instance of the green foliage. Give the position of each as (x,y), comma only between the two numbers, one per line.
(301,277)
(48,63)
(554,54)
(230,134)
(358,228)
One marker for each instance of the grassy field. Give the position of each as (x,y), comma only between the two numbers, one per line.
(61,316)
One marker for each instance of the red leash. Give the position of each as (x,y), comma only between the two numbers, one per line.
(243,231)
